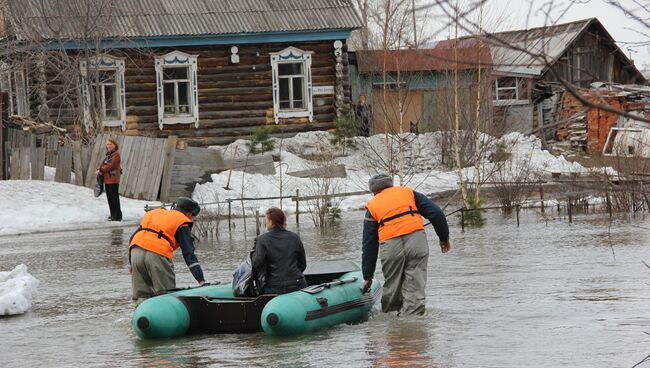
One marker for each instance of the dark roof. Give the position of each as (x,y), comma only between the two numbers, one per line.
(413,60)
(66,19)
(514,52)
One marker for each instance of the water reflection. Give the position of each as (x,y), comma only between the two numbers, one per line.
(406,342)
(118,249)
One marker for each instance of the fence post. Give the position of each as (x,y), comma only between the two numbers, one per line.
(297,206)
(243,211)
(229,216)
(541,194)
(517,210)
(257,222)
(569,209)
(609,204)
(462,218)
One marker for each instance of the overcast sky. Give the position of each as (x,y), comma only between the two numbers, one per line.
(633,37)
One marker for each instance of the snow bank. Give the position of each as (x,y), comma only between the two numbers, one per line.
(17,288)
(526,150)
(33,205)
(426,170)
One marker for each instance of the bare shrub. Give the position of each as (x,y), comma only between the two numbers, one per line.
(206,225)
(514,179)
(323,208)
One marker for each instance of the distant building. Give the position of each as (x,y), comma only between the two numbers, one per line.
(207,71)
(419,83)
(530,64)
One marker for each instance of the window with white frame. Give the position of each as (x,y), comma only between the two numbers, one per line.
(13,83)
(292,87)
(104,96)
(510,90)
(291,79)
(177,90)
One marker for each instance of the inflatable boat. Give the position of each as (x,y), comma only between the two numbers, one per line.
(333,296)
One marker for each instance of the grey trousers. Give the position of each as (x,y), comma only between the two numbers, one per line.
(151,274)
(404,263)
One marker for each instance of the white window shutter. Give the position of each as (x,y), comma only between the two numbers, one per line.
(85,95)
(121,85)
(159,92)
(310,106)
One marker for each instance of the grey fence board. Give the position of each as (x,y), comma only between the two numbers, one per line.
(63,164)
(95,159)
(154,187)
(76,161)
(38,163)
(170,150)
(25,173)
(14,163)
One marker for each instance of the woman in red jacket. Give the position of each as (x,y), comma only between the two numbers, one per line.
(110,170)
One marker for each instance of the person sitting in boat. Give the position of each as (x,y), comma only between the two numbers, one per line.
(281,253)
(152,247)
(393,224)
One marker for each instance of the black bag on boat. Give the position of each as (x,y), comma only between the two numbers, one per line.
(245,281)
(99,186)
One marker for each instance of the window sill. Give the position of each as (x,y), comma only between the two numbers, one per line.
(112,123)
(178,120)
(292,113)
(509,102)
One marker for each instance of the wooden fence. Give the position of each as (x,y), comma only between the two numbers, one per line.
(28,154)
(142,160)
(152,168)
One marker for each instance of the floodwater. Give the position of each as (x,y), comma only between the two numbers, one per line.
(546,294)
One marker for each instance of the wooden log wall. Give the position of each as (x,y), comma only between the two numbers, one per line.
(234,99)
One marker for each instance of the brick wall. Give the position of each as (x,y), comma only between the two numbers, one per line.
(599,122)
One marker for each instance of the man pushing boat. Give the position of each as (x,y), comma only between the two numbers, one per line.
(152,247)
(393,224)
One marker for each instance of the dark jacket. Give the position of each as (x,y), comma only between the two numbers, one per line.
(110,168)
(370,248)
(283,255)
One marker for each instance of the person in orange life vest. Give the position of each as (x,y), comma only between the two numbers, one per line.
(393,228)
(152,247)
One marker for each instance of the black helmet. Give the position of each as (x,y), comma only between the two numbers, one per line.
(185,204)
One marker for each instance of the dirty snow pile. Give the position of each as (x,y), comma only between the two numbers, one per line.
(33,205)
(17,289)
(427,165)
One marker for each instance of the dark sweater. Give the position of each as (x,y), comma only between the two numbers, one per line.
(370,248)
(281,252)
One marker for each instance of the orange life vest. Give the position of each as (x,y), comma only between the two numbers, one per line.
(157,231)
(395,210)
